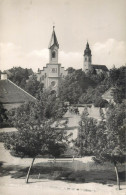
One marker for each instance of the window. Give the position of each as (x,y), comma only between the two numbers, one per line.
(53,54)
(54,70)
(85,59)
(53,83)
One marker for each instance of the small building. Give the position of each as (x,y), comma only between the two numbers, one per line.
(87,65)
(53,73)
(11,95)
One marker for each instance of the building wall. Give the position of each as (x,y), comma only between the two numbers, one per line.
(87,63)
(51,73)
(53,60)
(12,105)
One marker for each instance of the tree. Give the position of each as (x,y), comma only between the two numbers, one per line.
(105,139)
(20,75)
(70,70)
(99,102)
(74,85)
(3,116)
(110,138)
(118,79)
(86,134)
(34,87)
(35,135)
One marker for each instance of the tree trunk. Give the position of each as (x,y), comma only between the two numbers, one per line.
(27,177)
(117,176)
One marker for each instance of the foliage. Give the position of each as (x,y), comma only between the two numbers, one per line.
(25,79)
(34,87)
(52,106)
(49,107)
(31,120)
(99,102)
(86,132)
(35,136)
(3,117)
(118,79)
(74,85)
(20,75)
(107,137)
(109,134)
(70,70)
(32,140)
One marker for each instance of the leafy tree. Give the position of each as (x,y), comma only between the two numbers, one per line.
(34,87)
(74,85)
(99,102)
(3,116)
(20,75)
(110,138)
(86,132)
(35,135)
(53,107)
(105,139)
(70,70)
(118,79)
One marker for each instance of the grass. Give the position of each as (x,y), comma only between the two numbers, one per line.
(104,174)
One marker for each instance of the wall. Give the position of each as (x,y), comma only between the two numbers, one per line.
(13,105)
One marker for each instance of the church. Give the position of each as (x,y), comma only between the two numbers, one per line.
(88,62)
(53,73)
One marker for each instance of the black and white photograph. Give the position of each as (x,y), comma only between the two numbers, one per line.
(62,97)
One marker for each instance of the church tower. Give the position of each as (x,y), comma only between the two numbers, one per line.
(53,49)
(87,58)
(53,73)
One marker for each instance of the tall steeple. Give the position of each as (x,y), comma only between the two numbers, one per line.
(87,58)
(53,48)
(53,40)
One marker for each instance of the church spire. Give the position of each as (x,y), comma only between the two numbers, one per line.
(87,51)
(53,40)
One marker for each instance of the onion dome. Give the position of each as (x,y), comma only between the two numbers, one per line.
(87,51)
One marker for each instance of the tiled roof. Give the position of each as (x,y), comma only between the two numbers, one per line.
(11,93)
(103,67)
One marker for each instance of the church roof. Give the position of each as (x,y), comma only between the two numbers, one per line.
(11,93)
(87,51)
(53,40)
(103,67)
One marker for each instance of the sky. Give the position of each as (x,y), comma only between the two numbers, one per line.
(26,28)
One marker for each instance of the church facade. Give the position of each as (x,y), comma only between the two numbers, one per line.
(53,73)
(87,65)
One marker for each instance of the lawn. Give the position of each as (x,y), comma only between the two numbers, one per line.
(75,171)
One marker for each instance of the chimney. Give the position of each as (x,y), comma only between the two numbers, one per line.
(3,76)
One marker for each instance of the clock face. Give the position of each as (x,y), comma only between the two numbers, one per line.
(53,83)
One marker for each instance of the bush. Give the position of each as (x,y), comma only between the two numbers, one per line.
(101,103)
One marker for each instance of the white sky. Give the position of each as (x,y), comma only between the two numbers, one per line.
(26,28)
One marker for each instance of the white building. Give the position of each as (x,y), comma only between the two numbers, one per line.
(53,73)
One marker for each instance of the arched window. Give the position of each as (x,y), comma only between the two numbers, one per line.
(53,83)
(85,59)
(53,54)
